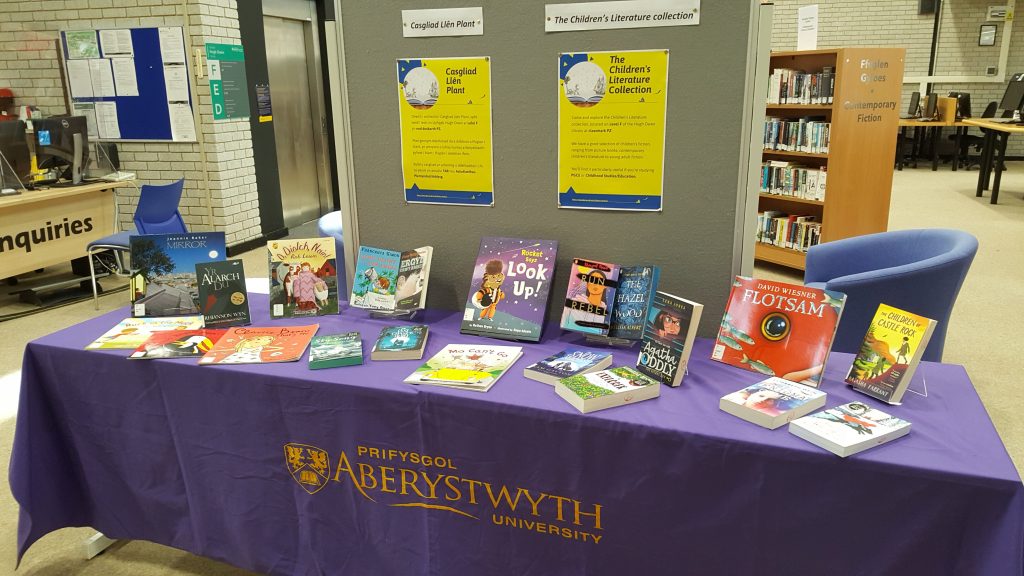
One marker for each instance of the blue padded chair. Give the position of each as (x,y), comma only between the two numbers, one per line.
(329,225)
(157,213)
(919,271)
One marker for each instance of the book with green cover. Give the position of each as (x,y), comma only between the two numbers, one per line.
(607,389)
(335,350)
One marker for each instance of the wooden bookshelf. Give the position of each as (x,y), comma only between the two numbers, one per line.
(862,144)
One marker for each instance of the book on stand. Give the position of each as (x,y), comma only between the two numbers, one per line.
(223,300)
(607,389)
(568,362)
(466,366)
(773,402)
(401,343)
(335,350)
(637,285)
(131,333)
(669,331)
(413,279)
(590,299)
(850,428)
(376,277)
(890,353)
(163,280)
(303,277)
(260,345)
(177,344)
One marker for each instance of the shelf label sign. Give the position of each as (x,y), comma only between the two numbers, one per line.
(620,14)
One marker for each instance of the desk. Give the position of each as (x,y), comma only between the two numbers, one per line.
(40,228)
(989,156)
(201,458)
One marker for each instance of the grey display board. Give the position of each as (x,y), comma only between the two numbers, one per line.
(692,239)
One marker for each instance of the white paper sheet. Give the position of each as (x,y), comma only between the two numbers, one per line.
(89,111)
(102,77)
(172,47)
(807,28)
(116,43)
(106,120)
(79,79)
(124,76)
(183,127)
(176,82)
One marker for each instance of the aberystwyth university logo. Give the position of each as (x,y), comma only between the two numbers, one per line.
(405,479)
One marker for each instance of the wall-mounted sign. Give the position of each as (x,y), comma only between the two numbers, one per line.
(229,91)
(621,14)
(443,22)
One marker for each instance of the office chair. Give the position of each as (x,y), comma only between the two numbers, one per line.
(157,213)
(967,140)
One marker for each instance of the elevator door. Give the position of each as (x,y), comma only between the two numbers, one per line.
(296,125)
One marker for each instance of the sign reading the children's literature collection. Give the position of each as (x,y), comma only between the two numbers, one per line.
(611,129)
(621,14)
(445,110)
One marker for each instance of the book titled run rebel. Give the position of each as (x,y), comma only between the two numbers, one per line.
(590,297)
(223,300)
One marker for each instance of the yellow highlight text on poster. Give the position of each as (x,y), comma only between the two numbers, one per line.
(445,110)
(611,129)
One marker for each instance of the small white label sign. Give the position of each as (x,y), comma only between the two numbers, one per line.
(621,14)
(443,22)
(807,28)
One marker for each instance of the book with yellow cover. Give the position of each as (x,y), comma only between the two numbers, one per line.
(890,353)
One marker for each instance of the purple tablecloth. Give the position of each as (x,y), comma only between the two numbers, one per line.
(518,482)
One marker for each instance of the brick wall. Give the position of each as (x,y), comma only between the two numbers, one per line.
(225,186)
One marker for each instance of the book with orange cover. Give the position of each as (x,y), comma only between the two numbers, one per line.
(890,353)
(177,344)
(258,345)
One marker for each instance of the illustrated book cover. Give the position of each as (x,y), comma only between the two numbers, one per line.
(466,366)
(590,299)
(637,285)
(890,353)
(223,300)
(260,345)
(778,329)
(131,333)
(376,276)
(607,389)
(669,330)
(401,343)
(335,350)
(303,277)
(508,295)
(163,280)
(773,402)
(413,279)
(849,428)
(177,344)
(568,362)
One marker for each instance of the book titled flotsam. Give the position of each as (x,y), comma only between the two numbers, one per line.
(568,362)
(466,366)
(637,285)
(849,429)
(890,353)
(259,345)
(223,300)
(163,281)
(131,333)
(303,277)
(607,389)
(668,338)
(590,299)
(773,402)
(335,350)
(177,344)
(778,329)
(508,295)
(401,343)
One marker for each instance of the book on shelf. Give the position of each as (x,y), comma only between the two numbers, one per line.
(568,362)
(508,295)
(778,329)
(809,134)
(668,338)
(772,402)
(781,178)
(637,285)
(131,333)
(163,280)
(466,366)
(590,299)
(335,350)
(177,344)
(401,343)
(789,231)
(413,279)
(223,300)
(850,428)
(260,345)
(890,353)
(607,389)
(788,86)
(303,277)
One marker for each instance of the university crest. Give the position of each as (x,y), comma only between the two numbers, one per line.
(308,465)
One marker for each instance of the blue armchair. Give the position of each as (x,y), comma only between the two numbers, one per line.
(919,271)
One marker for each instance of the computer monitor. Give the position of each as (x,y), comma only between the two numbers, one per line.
(1013,98)
(62,142)
(915,102)
(930,111)
(963,104)
(14,148)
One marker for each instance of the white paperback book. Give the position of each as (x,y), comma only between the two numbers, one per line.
(773,402)
(850,428)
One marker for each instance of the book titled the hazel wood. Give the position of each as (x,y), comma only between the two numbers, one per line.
(223,300)
(177,344)
(568,362)
(849,429)
(773,402)
(890,353)
(607,389)
(335,350)
(669,331)
(131,333)
(258,345)
(401,343)
(466,366)
(637,285)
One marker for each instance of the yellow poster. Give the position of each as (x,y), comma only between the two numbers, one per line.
(611,129)
(445,110)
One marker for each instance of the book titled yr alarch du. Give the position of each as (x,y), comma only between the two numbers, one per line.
(223,300)
(303,277)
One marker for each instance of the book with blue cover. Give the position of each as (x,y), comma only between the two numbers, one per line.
(335,350)
(568,362)
(163,281)
(376,278)
(668,338)
(591,296)
(637,285)
(401,343)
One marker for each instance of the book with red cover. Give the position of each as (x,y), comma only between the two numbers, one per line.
(778,329)
(258,345)
(177,344)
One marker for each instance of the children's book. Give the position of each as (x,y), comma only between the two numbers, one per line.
(335,350)
(413,279)
(850,428)
(591,297)
(890,353)
(303,277)
(466,366)
(376,277)
(131,333)
(508,296)
(637,285)
(223,300)
(568,362)
(259,345)
(773,402)
(778,329)
(163,280)
(668,338)
(607,389)
(401,343)
(177,344)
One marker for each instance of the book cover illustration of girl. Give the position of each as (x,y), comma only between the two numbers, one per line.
(259,345)
(304,287)
(590,297)
(306,278)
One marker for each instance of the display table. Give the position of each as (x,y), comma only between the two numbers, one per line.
(994,153)
(283,470)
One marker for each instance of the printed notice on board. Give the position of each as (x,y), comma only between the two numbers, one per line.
(116,43)
(82,44)
(102,78)
(172,46)
(79,79)
(125,81)
(183,127)
(176,83)
(87,109)
(621,14)
(445,111)
(611,129)
(106,120)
